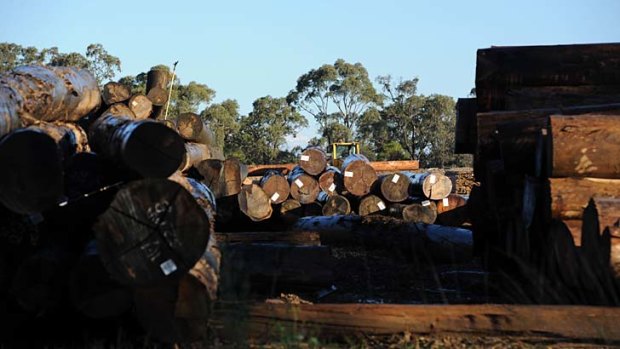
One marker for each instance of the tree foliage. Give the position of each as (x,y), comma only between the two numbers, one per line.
(223,119)
(96,59)
(263,131)
(336,94)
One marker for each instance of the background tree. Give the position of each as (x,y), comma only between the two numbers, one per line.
(96,59)
(223,119)
(335,94)
(263,131)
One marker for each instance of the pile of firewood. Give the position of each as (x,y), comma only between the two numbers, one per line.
(545,134)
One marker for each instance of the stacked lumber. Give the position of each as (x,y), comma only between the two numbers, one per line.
(95,213)
(543,130)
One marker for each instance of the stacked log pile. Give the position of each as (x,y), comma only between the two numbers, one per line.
(543,132)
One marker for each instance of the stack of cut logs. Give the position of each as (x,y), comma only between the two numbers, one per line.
(313,188)
(108,211)
(545,134)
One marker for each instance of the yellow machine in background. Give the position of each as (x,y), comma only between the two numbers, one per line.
(341,150)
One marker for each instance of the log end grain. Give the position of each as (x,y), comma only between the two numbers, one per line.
(395,187)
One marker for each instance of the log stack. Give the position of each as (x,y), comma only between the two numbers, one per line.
(543,130)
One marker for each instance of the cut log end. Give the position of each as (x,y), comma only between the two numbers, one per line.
(254,203)
(141,106)
(153,150)
(395,187)
(313,161)
(359,178)
(336,205)
(304,188)
(276,187)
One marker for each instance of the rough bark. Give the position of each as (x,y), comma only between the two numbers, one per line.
(301,238)
(195,153)
(143,146)
(10,100)
(52,93)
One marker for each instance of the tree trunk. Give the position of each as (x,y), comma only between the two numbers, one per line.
(224,178)
(585,145)
(304,188)
(300,238)
(144,146)
(569,196)
(359,176)
(195,153)
(432,185)
(371,204)
(114,92)
(344,321)
(336,205)
(395,187)
(191,127)
(275,186)
(313,161)
(157,81)
(254,203)
(119,109)
(419,241)
(153,231)
(141,106)
(52,93)
(331,181)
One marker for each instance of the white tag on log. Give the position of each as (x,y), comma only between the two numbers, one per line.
(299,183)
(395,178)
(446,202)
(332,187)
(305,158)
(543,131)
(134,103)
(381,205)
(426,203)
(348,174)
(168,267)
(432,179)
(275,197)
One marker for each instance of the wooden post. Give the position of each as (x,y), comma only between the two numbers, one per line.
(313,161)
(359,176)
(331,181)
(144,146)
(255,203)
(433,185)
(395,187)
(275,186)
(154,230)
(582,144)
(113,92)
(304,188)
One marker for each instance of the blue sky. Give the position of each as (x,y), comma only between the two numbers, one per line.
(249,49)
